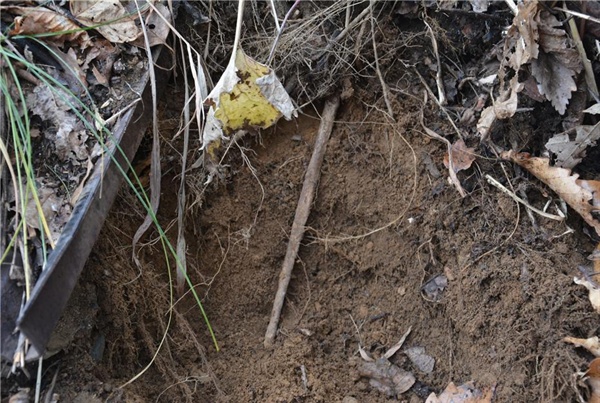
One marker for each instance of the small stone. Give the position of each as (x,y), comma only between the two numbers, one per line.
(349,399)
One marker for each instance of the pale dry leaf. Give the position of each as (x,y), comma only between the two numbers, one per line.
(591,344)
(465,393)
(77,192)
(420,359)
(502,108)
(485,122)
(386,377)
(157,28)
(49,202)
(594,292)
(108,17)
(594,109)
(570,152)
(524,35)
(392,350)
(480,6)
(462,156)
(583,196)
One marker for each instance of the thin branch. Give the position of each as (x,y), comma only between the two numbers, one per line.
(313,173)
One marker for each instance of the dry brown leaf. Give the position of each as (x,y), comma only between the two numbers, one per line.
(592,344)
(77,192)
(465,393)
(581,195)
(462,156)
(108,17)
(158,30)
(570,152)
(593,374)
(103,55)
(39,20)
(524,35)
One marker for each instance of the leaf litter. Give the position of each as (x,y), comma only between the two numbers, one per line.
(72,88)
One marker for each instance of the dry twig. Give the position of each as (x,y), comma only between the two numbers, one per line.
(313,172)
(451,170)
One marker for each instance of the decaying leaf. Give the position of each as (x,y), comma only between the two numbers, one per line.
(433,289)
(55,209)
(108,17)
(502,108)
(523,35)
(420,359)
(480,6)
(535,38)
(465,393)
(387,377)
(383,375)
(592,344)
(248,96)
(570,152)
(462,156)
(68,133)
(40,20)
(583,196)
(557,62)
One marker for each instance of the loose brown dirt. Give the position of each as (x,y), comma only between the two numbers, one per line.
(381,226)
(384,222)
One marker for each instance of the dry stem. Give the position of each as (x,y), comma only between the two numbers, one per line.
(313,172)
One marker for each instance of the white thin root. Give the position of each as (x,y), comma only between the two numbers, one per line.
(516,198)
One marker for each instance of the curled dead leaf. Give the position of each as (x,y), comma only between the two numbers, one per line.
(583,196)
(593,379)
(40,20)
(462,156)
(503,108)
(524,35)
